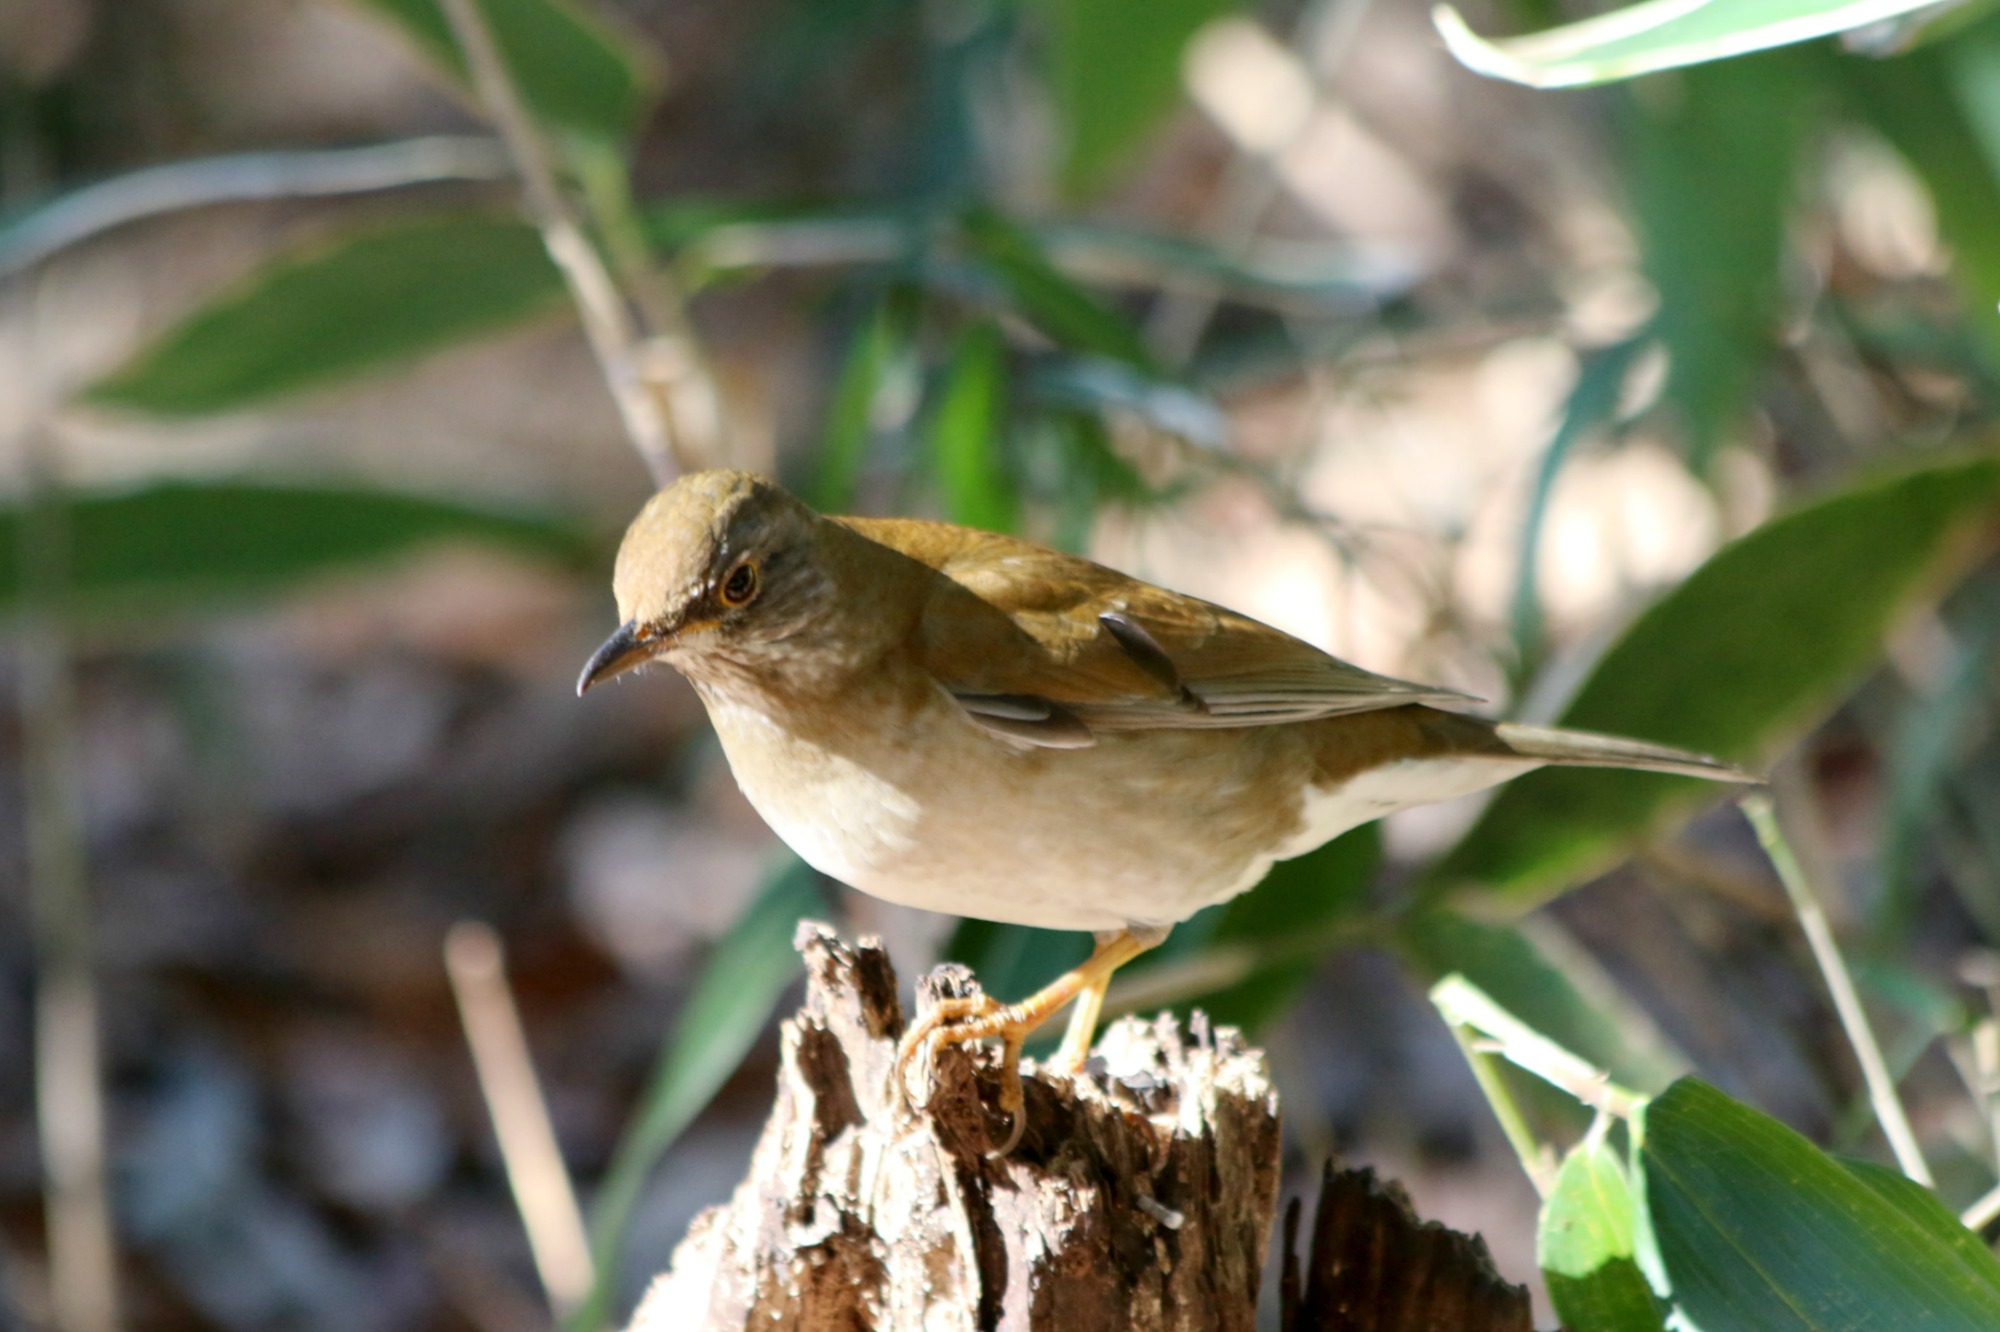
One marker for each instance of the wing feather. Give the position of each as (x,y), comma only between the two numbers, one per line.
(1011,625)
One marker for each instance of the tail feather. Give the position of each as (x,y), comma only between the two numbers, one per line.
(1587,749)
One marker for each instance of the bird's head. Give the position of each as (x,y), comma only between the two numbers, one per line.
(720,565)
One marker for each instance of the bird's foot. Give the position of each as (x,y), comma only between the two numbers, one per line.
(955,1021)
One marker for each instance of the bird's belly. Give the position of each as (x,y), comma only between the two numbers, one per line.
(1144,828)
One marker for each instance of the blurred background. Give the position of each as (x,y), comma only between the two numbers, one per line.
(312,480)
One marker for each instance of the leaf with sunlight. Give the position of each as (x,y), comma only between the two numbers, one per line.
(1753,648)
(966,435)
(192,543)
(1116,70)
(1660,34)
(1585,1247)
(1751,1226)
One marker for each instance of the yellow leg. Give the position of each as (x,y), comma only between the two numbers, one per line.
(953,1021)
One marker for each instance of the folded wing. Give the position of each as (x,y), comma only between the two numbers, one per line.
(1050,649)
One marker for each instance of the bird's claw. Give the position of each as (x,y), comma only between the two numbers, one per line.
(958,1020)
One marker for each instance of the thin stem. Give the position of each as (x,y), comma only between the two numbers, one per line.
(1534,1156)
(241,177)
(535,1171)
(69,1093)
(605,314)
(1846,1002)
(1464,1005)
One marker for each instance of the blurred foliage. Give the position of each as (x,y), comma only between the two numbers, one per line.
(191,546)
(995,365)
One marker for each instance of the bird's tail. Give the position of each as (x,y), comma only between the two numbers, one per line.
(1587,749)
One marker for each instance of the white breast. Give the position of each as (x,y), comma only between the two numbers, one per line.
(842,818)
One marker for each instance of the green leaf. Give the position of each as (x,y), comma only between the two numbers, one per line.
(1585,1247)
(1754,1227)
(744,979)
(190,543)
(1656,35)
(1922,1206)
(1710,166)
(1749,652)
(1115,66)
(572,70)
(965,435)
(365,302)
(1556,991)
(850,417)
(1048,297)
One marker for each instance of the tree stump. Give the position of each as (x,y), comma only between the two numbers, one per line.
(1140,1197)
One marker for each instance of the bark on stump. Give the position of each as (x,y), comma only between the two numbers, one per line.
(1139,1199)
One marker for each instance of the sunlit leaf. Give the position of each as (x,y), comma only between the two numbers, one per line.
(190,544)
(1745,655)
(1656,35)
(1751,1226)
(1115,66)
(365,302)
(572,69)
(965,435)
(743,980)
(1585,1247)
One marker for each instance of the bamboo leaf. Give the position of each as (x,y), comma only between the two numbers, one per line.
(1749,652)
(189,544)
(1754,1227)
(365,302)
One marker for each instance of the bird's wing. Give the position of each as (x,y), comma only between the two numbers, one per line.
(1050,649)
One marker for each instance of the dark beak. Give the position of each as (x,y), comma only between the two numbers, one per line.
(620,653)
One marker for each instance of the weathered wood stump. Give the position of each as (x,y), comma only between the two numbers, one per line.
(1140,1197)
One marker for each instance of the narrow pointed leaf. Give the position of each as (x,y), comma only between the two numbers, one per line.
(966,436)
(366,302)
(188,544)
(1754,1227)
(1750,651)
(1711,176)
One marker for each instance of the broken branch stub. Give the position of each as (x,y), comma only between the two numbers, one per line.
(1140,1197)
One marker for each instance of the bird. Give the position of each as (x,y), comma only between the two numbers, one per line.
(975,724)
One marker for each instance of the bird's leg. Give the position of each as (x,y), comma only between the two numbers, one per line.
(954,1021)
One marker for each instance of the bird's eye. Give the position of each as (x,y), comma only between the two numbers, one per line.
(741,587)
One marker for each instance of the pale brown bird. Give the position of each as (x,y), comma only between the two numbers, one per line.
(975,724)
